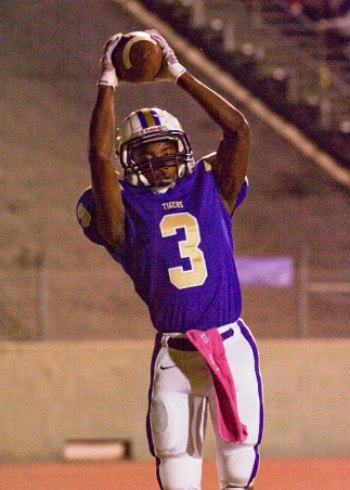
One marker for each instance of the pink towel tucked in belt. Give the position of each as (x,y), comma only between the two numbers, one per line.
(210,345)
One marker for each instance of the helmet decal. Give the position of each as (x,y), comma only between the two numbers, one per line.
(148,118)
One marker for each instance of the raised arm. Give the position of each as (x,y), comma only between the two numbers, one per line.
(230,163)
(110,212)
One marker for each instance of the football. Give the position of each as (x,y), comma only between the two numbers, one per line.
(137,57)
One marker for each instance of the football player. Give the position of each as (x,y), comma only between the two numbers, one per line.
(168,222)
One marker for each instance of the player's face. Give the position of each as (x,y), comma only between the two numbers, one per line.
(163,174)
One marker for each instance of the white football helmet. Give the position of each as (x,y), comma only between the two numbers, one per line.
(148,126)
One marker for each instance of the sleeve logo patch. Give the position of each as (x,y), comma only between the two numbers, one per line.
(84,216)
(207,166)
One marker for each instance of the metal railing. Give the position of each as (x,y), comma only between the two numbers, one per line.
(51,304)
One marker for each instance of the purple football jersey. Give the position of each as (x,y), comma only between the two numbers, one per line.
(178,250)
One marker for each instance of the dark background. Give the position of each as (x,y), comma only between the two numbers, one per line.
(54,284)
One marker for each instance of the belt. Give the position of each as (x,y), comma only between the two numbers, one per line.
(182,343)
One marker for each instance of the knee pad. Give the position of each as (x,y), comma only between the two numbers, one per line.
(236,488)
(180,473)
(233,488)
(238,467)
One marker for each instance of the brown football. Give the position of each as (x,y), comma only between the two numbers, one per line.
(137,57)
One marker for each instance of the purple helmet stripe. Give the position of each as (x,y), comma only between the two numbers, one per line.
(155,117)
(142,119)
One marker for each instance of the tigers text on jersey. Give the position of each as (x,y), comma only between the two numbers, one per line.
(178,250)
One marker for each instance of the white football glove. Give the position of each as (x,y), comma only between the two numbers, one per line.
(172,69)
(108,75)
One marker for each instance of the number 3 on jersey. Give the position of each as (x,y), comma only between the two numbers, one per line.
(188,248)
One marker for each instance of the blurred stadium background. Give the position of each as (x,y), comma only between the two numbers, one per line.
(294,88)
(54,284)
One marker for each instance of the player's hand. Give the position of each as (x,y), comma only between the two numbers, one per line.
(171,69)
(108,75)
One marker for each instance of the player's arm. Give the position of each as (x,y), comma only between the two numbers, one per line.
(230,164)
(110,212)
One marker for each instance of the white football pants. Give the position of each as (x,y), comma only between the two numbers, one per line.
(181,392)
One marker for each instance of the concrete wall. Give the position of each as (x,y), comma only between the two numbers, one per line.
(51,392)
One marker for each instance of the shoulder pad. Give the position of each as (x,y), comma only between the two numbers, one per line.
(209,160)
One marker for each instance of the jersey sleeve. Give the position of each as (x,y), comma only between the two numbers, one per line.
(242,193)
(85,211)
(207,161)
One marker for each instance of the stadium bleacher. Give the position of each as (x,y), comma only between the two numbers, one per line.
(282,58)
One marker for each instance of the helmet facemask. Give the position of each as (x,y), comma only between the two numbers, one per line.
(143,172)
(139,172)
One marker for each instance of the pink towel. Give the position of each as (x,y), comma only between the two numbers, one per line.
(210,345)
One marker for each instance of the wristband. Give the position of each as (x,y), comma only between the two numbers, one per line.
(176,70)
(108,78)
